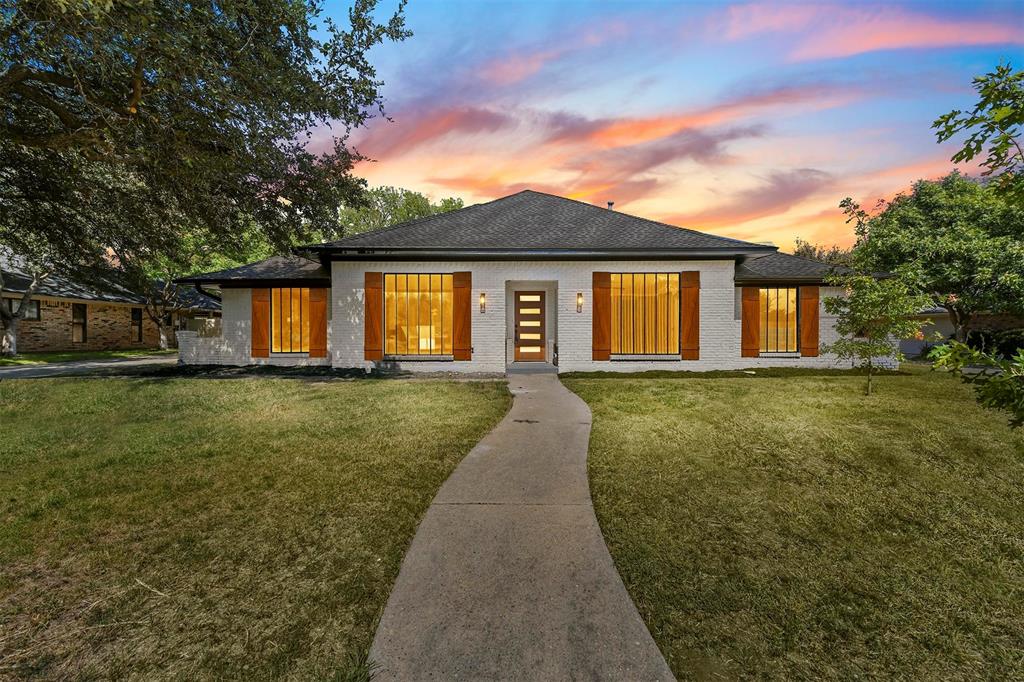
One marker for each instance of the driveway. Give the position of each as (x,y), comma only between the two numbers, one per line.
(508,576)
(85,367)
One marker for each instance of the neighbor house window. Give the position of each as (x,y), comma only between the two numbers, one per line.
(33,308)
(78,325)
(778,320)
(418,314)
(645,313)
(289,320)
(137,325)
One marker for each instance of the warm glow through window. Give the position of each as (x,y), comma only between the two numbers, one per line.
(778,321)
(418,314)
(645,313)
(289,320)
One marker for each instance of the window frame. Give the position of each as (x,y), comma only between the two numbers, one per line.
(617,333)
(445,293)
(302,321)
(84,323)
(763,323)
(136,325)
(15,305)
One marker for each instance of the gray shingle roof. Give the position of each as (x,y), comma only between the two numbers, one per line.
(281,268)
(532,221)
(783,267)
(97,288)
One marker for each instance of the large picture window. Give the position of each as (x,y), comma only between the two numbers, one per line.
(779,331)
(289,320)
(418,314)
(645,313)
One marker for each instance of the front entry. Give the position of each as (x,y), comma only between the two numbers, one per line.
(531,335)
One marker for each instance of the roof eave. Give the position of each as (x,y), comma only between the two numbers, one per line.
(399,254)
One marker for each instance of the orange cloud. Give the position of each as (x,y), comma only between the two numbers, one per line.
(620,132)
(830,31)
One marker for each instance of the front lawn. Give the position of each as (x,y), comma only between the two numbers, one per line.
(68,356)
(792,528)
(210,529)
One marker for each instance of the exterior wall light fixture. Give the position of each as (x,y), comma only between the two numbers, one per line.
(483,302)
(579,302)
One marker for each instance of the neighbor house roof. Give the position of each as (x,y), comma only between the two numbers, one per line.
(17,278)
(276,269)
(783,267)
(532,225)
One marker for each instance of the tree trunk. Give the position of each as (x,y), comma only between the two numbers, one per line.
(163,334)
(959,321)
(870,369)
(9,345)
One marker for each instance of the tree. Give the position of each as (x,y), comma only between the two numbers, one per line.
(831,255)
(955,240)
(998,382)
(872,318)
(11,316)
(995,123)
(387,206)
(124,125)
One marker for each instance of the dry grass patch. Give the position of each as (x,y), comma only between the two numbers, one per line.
(792,528)
(206,529)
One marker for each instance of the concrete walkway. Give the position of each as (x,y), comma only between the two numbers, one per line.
(84,367)
(508,576)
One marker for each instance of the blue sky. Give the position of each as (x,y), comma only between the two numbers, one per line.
(751,120)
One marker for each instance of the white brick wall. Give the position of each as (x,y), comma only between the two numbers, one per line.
(719,328)
(233,347)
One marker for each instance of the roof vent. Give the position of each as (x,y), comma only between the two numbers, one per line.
(610,204)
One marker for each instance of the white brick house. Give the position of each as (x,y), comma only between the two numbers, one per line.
(526,278)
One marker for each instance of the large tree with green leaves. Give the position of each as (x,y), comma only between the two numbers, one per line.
(138,128)
(955,240)
(993,128)
(386,206)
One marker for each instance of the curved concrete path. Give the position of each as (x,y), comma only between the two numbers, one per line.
(508,576)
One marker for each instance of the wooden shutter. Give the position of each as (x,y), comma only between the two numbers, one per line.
(373,316)
(751,326)
(689,330)
(318,322)
(602,317)
(462,311)
(260,323)
(808,321)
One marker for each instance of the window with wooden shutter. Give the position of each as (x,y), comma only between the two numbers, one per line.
(689,294)
(750,335)
(318,322)
(260,323)
(809,322)
(602,316)
(373,316)
(462,314)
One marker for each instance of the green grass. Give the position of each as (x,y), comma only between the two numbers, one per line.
(68,356)
(792,528)
(210,529)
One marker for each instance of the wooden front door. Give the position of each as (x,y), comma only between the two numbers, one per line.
(531,335)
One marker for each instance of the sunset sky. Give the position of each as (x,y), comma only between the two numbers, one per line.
(746,120)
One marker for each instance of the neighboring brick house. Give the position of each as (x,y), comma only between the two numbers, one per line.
(530,277)
(66,315)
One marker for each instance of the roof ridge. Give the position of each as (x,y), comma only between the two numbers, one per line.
(637,217)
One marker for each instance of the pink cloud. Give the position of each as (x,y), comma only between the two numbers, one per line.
(830,31)
(414,128)
(517,66)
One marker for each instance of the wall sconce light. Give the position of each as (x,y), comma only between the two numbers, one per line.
(579,302)
(483,302)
